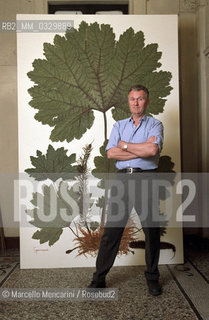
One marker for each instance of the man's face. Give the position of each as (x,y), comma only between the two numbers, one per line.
(138,103)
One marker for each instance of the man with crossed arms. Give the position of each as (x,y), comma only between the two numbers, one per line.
(135,143)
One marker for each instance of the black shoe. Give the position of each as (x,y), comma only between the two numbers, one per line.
(154,287)
(95,284)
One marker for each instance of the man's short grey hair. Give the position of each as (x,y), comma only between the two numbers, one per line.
(139,87)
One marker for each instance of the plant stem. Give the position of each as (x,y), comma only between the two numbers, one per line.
(107,162)
(105,127)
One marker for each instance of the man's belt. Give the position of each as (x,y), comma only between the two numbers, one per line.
(133,170)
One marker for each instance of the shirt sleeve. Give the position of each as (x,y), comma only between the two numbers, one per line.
(157,131)
(114,137)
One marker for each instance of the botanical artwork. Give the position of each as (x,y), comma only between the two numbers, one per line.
(86,71)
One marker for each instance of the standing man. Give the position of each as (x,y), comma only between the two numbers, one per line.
(135,143)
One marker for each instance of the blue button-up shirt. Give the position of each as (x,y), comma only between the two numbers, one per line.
(126,130)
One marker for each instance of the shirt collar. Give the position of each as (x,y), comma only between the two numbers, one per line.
(143,118)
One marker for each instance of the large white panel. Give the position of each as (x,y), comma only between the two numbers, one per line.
(34,136)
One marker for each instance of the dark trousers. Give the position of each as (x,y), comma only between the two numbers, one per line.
(132,190)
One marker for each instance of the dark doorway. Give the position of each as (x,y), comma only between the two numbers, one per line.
(88,8)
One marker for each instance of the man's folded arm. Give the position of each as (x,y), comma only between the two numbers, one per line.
(119,154)
(141,150)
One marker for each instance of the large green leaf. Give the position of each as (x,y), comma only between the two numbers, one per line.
(103,166)
(53,211)
(48,234)
(88,70)
(166,165)
(55,164)
(166,172)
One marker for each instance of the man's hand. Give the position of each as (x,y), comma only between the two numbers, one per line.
(151,139)
(121,144)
